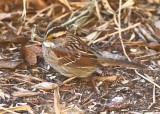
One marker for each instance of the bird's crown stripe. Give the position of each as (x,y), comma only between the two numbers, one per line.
(56,31)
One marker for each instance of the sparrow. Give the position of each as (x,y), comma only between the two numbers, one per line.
(70,56)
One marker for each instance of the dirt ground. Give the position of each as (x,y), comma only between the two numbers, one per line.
(127,29)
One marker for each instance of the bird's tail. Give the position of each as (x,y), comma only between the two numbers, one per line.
(125,63)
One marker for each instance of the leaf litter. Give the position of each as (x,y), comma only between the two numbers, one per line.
(128,29)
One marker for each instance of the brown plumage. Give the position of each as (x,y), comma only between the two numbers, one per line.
(70,56)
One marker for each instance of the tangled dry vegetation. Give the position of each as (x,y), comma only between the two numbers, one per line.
(124,27)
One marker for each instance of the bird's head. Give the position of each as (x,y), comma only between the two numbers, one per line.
(55,33)
(54,36)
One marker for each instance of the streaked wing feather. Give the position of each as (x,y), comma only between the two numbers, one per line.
(75,53)
(75,58)
(87,60)
(59,53)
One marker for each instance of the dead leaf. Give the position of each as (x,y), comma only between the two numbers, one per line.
(116,103)
(108,78)
(154,45)
(17,108)
(9,64)
(31,52)
(25,93)
(73,110)
(28,79)
(5,15)
(157,31)
(12,38)
(46,86)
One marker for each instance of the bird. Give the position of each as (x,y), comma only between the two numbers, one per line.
(72,57)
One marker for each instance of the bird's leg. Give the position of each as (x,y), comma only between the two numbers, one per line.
(93,85)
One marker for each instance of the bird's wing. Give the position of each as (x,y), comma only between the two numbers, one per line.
(76,53)
(75,58)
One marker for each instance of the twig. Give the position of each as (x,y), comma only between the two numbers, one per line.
(7,110)
(119,30)
(98,11)
(147,79)
(75,18)
(154,97)
(56,19)
(24,10)
(149,55)
(41,11)
(66,3)
(57,107)
(114,33)
(66,81)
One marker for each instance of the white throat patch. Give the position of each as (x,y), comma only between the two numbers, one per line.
(48,44)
